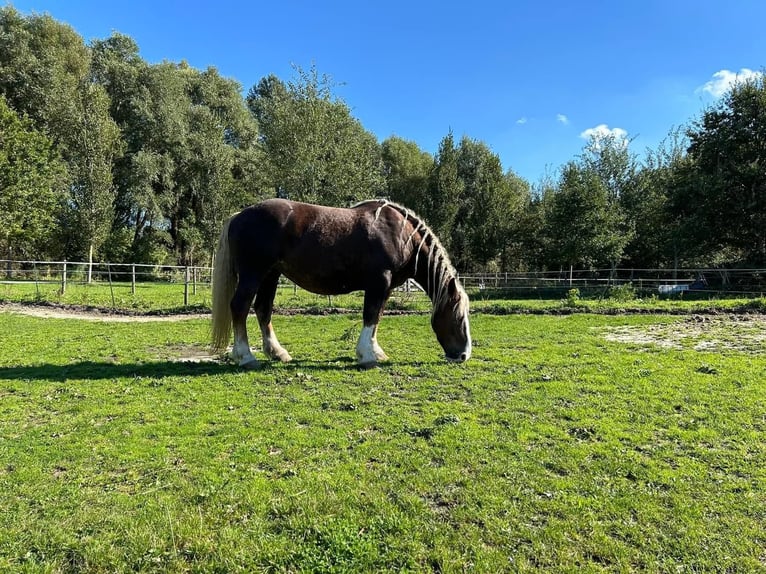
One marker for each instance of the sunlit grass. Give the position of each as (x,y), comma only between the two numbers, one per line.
(553,449)
(177,298)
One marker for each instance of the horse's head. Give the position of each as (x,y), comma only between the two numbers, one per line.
(450,323)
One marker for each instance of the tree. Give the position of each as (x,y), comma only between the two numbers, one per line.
(316,150)
(583,222)
(32,185)
(445,189)
(45,74)
(213,179)
(655,242)
(91,144)
(482,221)
(191,156)
(724,209)
(407,169)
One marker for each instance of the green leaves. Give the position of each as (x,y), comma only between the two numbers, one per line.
(316,151)
(724,198)
(31,185)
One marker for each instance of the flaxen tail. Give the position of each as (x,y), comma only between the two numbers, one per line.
(224,284)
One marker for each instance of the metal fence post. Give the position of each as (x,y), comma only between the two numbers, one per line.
(63,280)
(133,279)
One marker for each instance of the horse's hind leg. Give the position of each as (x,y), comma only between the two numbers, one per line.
(264,305)
(247,287)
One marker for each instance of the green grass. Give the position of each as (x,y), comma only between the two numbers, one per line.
(169,298)
(554,448)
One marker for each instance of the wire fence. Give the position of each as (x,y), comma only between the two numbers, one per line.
(745,282)
(191,285)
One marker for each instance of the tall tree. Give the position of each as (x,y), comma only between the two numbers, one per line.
(583,222)
(407,169)
(213,179)
(482,220)
(654,242)
(317,150)
(91,144)
(45,74)
(32,186)
(445,190)
(725,209)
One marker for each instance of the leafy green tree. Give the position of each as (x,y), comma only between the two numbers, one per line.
(517,225)
(214,177)
(45,74)
(487,205)
(91,144)
(722,201)
(316,150)
(654,243)
(445,190)
(32,185)
(583,222)
(191,155)
(407,170)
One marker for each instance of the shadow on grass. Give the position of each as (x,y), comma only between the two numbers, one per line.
(91,370)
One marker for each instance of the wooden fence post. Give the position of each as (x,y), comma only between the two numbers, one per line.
(186,286)
(63,280)
(111,289)
(133,279)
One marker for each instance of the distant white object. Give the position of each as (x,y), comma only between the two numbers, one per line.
(670,289)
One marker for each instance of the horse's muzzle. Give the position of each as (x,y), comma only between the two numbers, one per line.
(461,358)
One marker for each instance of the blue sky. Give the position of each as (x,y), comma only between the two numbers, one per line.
(528,78)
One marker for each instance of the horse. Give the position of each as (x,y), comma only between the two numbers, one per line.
(373,246)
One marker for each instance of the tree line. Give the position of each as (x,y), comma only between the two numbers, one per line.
(105,156)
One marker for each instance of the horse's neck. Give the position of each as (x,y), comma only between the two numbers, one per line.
(430,261)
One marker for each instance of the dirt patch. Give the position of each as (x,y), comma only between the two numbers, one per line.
(90,314)
(745,333)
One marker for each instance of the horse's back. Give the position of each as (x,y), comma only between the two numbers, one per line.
(323,249)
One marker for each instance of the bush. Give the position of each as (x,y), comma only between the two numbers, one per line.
(573,298)
(624,292)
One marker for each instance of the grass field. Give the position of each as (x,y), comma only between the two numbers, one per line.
(581,442)
(166,297)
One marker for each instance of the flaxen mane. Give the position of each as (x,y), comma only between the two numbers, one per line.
(439,267)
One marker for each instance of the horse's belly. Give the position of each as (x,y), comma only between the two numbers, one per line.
(323,283)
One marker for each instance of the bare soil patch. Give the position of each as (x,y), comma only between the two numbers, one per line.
(746,333)
(91,314)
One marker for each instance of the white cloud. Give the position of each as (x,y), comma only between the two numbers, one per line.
(603,131)
(521,121)
(561,118)
(723,80)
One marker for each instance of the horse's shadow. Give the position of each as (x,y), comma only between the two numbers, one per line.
(94,371)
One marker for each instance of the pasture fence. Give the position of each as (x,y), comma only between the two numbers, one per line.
(543,284)
(190,285)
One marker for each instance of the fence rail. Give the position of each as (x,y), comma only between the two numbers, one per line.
(661,281)
(189,279)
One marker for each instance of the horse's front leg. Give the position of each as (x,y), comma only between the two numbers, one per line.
(368,351)
(264,306)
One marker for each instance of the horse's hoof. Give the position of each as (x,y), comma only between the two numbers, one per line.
(368,365)
(250,365)
(284,357)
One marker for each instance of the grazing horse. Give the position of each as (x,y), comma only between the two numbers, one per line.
(373,246)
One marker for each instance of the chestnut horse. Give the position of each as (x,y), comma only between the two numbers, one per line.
(374,246)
